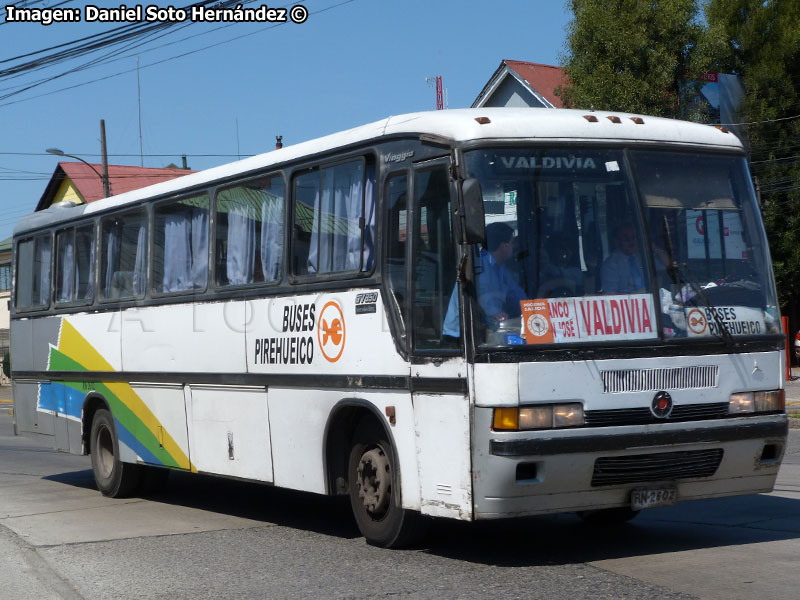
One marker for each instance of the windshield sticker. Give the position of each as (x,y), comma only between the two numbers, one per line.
(612,165)
(710,244)
(738,320)
(587,319)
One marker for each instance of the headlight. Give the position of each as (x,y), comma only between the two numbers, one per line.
(544,416)
(756,402)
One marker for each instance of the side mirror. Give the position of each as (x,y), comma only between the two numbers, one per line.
(472,217)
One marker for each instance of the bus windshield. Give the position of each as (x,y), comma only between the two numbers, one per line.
(607,245)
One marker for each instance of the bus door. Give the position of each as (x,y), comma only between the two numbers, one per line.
(438,364)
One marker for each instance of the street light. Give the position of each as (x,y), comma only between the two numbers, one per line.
(106,187)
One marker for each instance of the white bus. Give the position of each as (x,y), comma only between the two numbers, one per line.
(470,314)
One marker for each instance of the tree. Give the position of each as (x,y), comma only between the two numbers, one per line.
(760,41)
(632,55)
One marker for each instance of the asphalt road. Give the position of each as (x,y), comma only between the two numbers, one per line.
(208,538)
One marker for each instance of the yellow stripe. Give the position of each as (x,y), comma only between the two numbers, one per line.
(75,346)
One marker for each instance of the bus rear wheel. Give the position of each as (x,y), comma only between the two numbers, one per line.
(114,478)
(374,485)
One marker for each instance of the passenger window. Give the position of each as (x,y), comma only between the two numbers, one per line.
(436,326)
(249,232)
(84,263)
(75,264)
(397,202)
(333,229)
(123,271)
(33,273)
(180,245)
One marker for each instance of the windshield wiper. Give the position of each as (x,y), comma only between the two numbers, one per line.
(674,272)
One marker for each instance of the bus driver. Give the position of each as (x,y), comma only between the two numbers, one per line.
(499,295)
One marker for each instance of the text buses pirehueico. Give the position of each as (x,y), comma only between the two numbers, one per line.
(469,314)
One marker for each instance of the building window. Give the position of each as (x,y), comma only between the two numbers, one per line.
(5,277)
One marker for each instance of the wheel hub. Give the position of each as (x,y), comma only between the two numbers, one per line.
(374,481)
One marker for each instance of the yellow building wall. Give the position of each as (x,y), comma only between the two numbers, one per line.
(67,191)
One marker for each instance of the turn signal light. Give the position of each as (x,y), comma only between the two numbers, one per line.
(506,418)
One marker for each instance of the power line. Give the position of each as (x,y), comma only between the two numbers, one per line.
(126,33)
(155,63)
(764,121)
(165,155)
(772,160)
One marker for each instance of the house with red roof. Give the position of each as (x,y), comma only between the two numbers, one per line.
(522,84)
(78,183)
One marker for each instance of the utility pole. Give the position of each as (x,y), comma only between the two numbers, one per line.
(104,153)
(139,100)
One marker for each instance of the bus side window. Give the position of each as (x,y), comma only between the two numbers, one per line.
(123,251)
(434,260)
(84,263)
(65,266)
(397,202)
(330,220)
(180,245)
(249,232)
(306,194)
(74,279)
(33,273)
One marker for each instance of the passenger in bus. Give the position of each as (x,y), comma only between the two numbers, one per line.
(622,271)
(499,295)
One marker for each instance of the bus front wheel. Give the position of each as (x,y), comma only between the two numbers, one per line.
(114,478)
(375,490)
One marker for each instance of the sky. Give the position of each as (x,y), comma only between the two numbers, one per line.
(238,85)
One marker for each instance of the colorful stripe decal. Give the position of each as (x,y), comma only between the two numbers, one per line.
(137,426)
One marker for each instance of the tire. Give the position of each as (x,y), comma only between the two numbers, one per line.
(608,517)
(374,487)
(114,478)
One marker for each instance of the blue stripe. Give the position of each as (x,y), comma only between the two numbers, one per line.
(61,399)
(127,438)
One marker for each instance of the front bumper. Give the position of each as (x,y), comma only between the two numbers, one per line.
(528,473)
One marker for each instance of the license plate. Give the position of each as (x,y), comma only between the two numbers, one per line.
(652,497)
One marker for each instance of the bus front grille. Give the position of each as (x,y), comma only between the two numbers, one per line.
(656,467)
(656,380)
(642,415)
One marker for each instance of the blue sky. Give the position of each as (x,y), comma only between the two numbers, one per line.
(356,62)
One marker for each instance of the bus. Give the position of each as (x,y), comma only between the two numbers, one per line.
(467,314)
